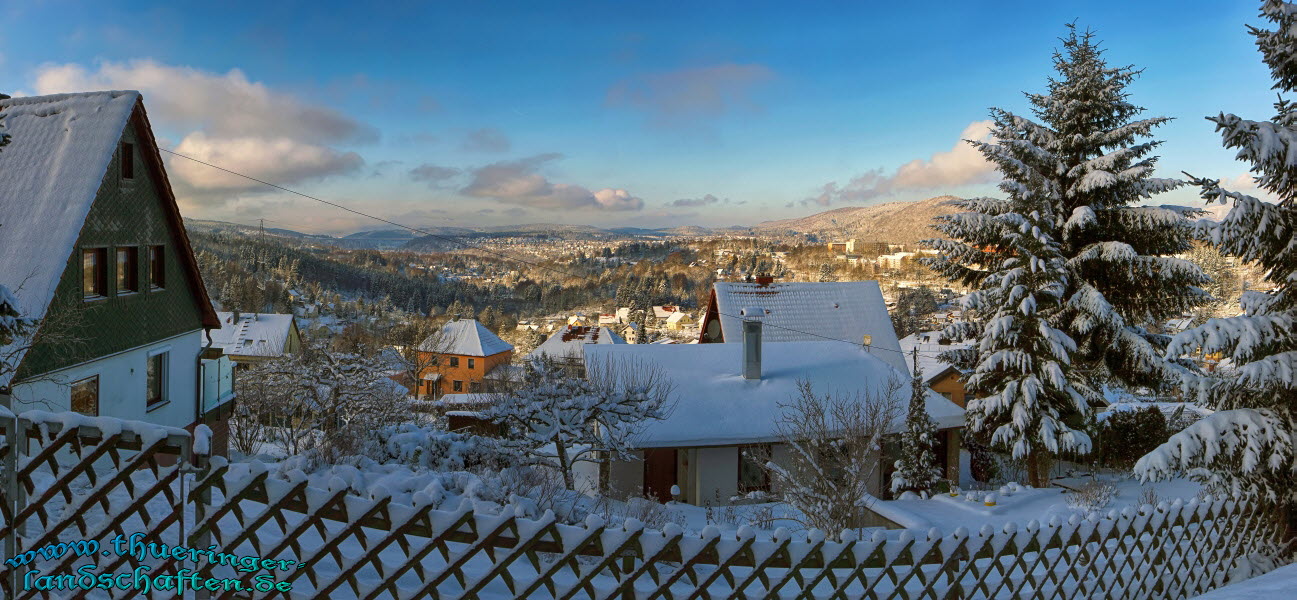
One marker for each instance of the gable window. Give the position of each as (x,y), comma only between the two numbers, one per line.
(157,268)
(94,272)
(128,160)
(457,386)
(752,475)
(85,396)
(454,361)
(128,271)
(470,363)
(157,380)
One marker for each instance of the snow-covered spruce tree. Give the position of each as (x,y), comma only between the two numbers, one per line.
(557,419)
(1246,448)
(917,471)
(1067,269)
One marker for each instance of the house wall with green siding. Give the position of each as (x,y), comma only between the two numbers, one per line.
(125,213)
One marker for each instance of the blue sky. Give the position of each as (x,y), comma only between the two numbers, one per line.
(610,113)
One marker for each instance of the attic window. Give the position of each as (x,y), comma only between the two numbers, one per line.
(157,268)
(94,272)
(128,160)
(128,272)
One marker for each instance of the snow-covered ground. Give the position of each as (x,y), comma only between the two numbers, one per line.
(1012,503)
(1019,504)
(1279,583)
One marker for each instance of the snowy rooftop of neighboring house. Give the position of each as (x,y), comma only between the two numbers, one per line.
(569,341)
(465,337)
(929,348)
(846,310)
(253,334)
(664,312)
(715,405)
(677,316)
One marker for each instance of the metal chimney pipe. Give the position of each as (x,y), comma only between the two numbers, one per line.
(752,349)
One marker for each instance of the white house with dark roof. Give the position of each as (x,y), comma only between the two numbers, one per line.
(92,244)
(725,408)
(852,311)
(248,338)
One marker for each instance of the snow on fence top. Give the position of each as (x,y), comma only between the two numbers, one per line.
(354,534)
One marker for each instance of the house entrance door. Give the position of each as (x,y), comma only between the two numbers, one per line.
(659,473)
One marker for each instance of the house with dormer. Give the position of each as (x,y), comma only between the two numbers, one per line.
(250,338)
(850,311)
(92,245)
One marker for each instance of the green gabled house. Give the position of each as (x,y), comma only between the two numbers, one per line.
(92,243)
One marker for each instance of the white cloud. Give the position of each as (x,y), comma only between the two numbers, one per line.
(961,165)
(227,120)
(610,199)
(517,182)
(227,105)
(276,160)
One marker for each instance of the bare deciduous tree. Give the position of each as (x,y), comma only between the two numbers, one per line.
(835,451)
(322,400)
(558,419)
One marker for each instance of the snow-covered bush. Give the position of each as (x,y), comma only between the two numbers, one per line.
(423,447)
(1092,496)
(653,514)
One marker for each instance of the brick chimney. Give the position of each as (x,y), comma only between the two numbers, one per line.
(765,280)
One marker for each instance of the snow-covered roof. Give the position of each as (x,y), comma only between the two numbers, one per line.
(465,337)
(677,316)
(714,404)
(254,334)
(568,341)
(846,310)
(929,349)
(664,311)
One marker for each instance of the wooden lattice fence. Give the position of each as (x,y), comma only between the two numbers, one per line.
(93,479)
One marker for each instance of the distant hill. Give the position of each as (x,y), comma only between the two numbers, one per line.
(895,222)
(381,234)
(224,227)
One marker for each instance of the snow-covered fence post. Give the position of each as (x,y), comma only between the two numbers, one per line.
(199,466)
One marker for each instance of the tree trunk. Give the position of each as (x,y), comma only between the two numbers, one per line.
(1033,469)
(565,468)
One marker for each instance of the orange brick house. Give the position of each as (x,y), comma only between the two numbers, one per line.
(457,359)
